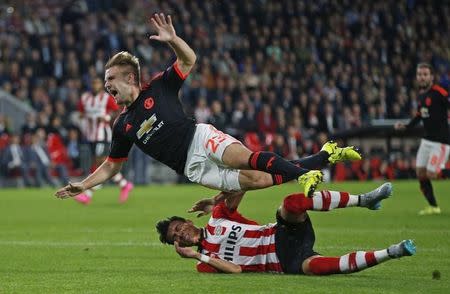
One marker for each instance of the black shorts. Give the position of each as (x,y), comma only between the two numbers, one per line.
(100,148)
(294,244)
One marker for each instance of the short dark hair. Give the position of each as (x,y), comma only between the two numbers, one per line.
(426,65)
(163,226)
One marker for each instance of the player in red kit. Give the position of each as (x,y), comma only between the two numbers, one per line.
(231,243)
(96,109)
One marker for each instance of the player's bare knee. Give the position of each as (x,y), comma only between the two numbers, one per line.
(421,173)
(431,175)
(251,180)
(305,266)
(263,179)
(291,217)
(236,156)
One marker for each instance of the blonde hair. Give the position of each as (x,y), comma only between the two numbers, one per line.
(126,59)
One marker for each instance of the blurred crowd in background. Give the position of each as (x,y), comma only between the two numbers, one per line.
(278,75)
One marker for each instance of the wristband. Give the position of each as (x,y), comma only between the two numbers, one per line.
(204,258)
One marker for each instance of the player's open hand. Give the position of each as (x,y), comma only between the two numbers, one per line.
(72,189)
(203,205)
(164,28)
(186,252)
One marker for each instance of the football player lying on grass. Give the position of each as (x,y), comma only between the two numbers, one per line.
(231,243)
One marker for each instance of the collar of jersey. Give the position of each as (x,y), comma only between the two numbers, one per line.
(133,104)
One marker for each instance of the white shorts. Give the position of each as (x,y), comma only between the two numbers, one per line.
(204,163)
(432,155)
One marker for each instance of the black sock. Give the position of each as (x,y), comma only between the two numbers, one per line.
(282,170)
(427,190)
(315,161)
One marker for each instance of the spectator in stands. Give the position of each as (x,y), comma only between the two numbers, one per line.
(217,117)
(38,158)
(267,123)
(30,124)
(4,125)
(361,61)
(202,111)
(73,147)
(14,161)
(97,107)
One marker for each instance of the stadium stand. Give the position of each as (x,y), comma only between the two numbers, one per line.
(279,75)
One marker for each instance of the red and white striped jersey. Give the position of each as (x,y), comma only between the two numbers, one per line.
(232,237)
(96,125)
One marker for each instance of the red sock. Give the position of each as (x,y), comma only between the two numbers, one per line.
(349,263)
(322,201)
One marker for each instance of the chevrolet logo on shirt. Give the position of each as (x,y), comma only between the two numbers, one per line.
(146,126)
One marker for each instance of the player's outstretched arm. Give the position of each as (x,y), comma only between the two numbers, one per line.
(166,33)
(205,206)
(103,173)
(219,264)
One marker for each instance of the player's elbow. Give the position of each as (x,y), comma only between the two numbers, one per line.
(113,167)
(236,269)
(190,61)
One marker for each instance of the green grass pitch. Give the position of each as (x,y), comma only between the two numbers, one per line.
(59,246)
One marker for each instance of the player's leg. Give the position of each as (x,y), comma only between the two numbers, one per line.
(329,154)
(356,261)
(101,151)
(226,151)
(424,159)
(125,186)
(85,197)
(295,205)
(239,156)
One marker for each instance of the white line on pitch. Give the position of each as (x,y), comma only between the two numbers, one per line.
(156,244)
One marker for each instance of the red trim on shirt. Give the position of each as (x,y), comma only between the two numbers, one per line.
(441,90)
(182,75)
(121,159)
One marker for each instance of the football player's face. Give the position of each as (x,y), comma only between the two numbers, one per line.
(185,233)
(97,85)
(424,77)
(118,83)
